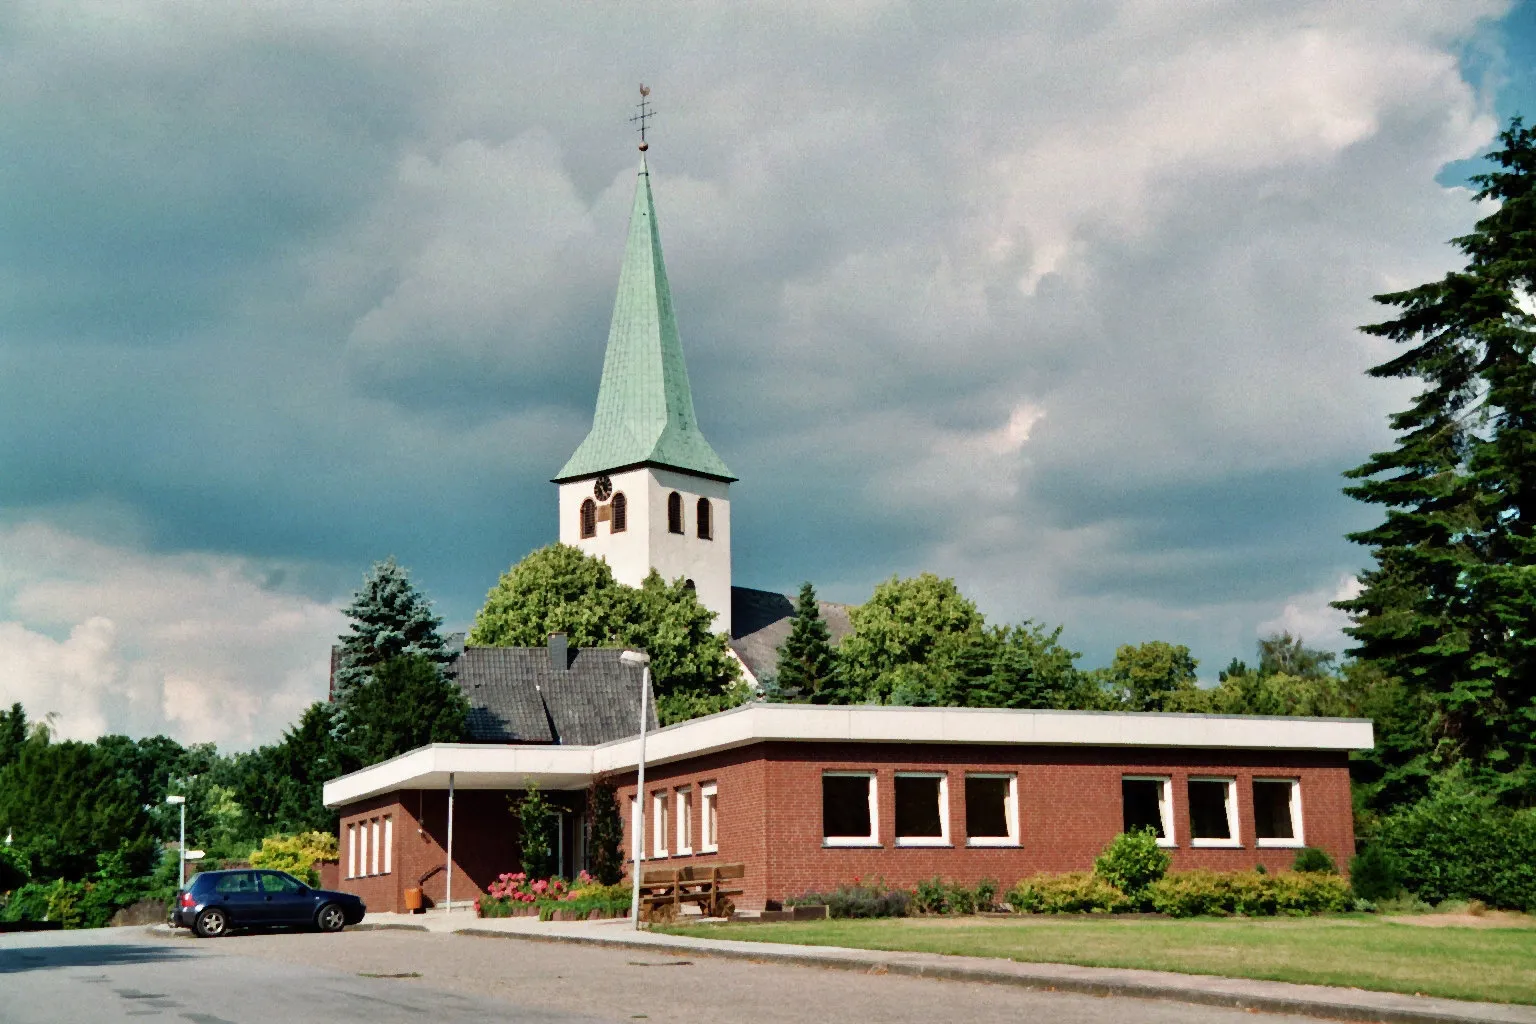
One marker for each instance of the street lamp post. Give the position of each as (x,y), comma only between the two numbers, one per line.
(181,850)
(638,823)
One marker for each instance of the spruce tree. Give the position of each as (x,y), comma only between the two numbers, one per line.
(1449,608)
(390,619)
(807,666)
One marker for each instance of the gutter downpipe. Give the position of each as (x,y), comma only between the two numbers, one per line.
(637,824)
(448,895)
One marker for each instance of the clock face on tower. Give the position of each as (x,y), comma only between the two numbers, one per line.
(602,488)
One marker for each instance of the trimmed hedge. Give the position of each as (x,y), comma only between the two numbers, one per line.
(1222,893)
(1075,893)
(1188,894)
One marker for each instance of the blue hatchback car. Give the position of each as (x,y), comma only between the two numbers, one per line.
(218,902)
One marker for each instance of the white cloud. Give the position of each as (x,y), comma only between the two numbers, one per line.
(113,638)
(1311,617)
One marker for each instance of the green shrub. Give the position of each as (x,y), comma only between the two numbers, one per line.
(961,899)
(1458,843)
(1311,859)
(1222,893)
(857,901)
(15,868)
(931,897)
(1374,874)
(1076,893)
(1132,861)
(296,854)
(537,821)
(986,893)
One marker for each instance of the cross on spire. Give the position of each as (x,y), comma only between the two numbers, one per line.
(646,113)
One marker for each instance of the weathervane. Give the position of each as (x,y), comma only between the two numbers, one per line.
(646,113)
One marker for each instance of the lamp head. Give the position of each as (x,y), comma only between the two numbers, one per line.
(635,658)
(175,800)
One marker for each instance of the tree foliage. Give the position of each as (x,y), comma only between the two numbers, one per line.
(403,704)
(807,667)
(390,619)
(1450,606)
(560,588)
(910,644)
(1152,676)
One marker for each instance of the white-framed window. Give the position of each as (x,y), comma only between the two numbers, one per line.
(352,850)
(922,809)
(1148,800)
(373,862)
(709,820)
(850,814)
(1213,812)
(659,824)
(991,809)
(1277,812)
(389,843)
(683,804)
(635,846)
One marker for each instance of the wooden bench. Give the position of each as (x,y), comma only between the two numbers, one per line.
(664,891)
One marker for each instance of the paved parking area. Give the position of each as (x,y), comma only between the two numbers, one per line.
(538,980)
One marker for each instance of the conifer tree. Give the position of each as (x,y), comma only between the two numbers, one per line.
(1449,608)
(807,666)
(390,619)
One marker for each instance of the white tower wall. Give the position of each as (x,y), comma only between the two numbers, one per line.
(646,543)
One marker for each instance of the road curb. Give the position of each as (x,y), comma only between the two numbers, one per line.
(1347,1004)
(387,927)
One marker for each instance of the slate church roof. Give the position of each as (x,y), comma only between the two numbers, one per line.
(524,695)
(760,621)
(644,404)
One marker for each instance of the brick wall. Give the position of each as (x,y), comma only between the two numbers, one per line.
(485,843)
(1069,808)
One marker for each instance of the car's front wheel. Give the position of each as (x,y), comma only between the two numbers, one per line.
(331,918)
(212,923)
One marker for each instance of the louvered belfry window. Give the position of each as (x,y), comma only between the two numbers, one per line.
(620,518)
(706,519)
(674,513)
(588,519)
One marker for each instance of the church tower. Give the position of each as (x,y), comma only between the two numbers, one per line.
(645,490)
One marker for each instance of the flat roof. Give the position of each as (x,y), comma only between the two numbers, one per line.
(509,766)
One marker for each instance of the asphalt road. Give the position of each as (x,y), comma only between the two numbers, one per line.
(126,974)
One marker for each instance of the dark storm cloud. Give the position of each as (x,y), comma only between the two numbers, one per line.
(1060,301)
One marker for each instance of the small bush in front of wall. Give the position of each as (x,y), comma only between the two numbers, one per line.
(931,896)
(1132,861)
(857,900)
(1224,893)
(1074,893)
(1310,858)
(986,894)
(1374,874)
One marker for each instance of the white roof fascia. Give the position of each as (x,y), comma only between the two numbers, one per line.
(479,765)
(489,766)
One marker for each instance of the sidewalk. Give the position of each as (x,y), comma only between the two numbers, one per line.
(1265,996)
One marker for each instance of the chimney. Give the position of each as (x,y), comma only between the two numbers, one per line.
(559,660)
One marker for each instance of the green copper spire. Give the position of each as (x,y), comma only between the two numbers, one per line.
(644,405)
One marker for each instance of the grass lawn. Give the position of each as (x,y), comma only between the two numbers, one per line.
(1494,963)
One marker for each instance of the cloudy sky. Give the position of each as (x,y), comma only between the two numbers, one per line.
(1055,298)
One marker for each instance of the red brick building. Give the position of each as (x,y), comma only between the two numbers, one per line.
(807,797)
